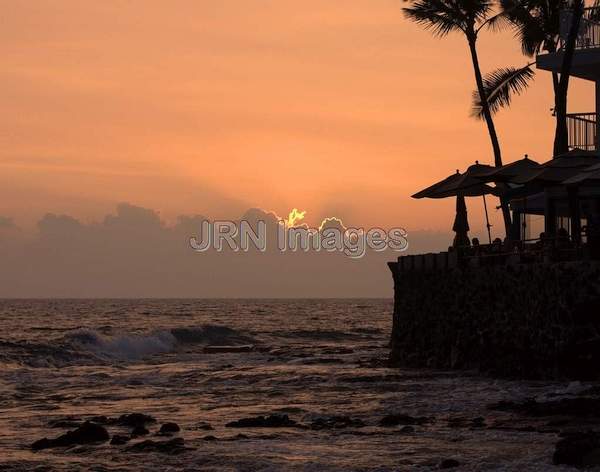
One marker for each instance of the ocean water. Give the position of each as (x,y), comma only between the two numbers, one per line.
(309,359)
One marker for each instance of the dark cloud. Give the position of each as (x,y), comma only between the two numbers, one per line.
(133,253)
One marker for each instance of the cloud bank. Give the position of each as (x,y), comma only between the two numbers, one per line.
(133,253)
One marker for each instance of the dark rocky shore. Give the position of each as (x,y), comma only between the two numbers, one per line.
(524,321)
(575,421)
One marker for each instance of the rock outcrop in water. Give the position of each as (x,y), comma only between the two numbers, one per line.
(169,428)
(402,419)
(529,321)
(87,433)
(336,422)
(119,440)
(271,421)
(578,449)
(133,420)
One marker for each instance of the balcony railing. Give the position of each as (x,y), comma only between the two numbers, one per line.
(589,29)
(583,131)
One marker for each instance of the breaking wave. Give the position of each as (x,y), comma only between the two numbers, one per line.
(91,346)
(139,346)
(126,347)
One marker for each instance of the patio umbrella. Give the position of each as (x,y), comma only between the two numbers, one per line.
(461,223)
(460,186)
(433,190)
(559,169)
(591,175)
(466,184)
(508,172)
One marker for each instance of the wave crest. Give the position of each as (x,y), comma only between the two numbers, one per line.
(137,346)
(128,346)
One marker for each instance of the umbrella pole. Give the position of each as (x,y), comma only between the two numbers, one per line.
(487,220)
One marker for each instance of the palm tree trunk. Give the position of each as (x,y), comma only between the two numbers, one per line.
(561,137)
(472,39)
(485,107)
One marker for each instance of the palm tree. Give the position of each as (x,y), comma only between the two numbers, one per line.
(468,17)
(537,25)
(500,85)
(561,139)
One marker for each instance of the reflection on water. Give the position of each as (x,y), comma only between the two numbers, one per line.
(312,360)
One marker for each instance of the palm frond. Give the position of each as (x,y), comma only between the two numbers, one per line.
(479,9)
(528,25)
(436,16)
(498,22)
(500,86)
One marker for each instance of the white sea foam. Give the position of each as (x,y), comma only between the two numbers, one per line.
(128,346)
(138,346)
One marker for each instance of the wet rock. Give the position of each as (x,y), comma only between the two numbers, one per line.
(401,419)
(119,440)
(135,419)
(449,464)
(87,433)
(44,443)
(100,419)
(203,426)
(466,422)
(271,421)
(578,449)
(478,422)
(407,429)
(139,431)
(169,428)
(336,422)
(172,446)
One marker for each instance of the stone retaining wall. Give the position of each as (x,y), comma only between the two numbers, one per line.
(531,321)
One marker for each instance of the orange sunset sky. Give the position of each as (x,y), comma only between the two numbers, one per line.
(337,107)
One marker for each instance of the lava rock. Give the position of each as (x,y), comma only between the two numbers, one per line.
(466,422)
(478,422)
(271,421)
(578,449)
(135,419)
(402,419)
(87,433)
(449,464)
(169,428)
(118,440)
(139,431)
(336,422)
(100,419)
(204,426)
(171,447)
